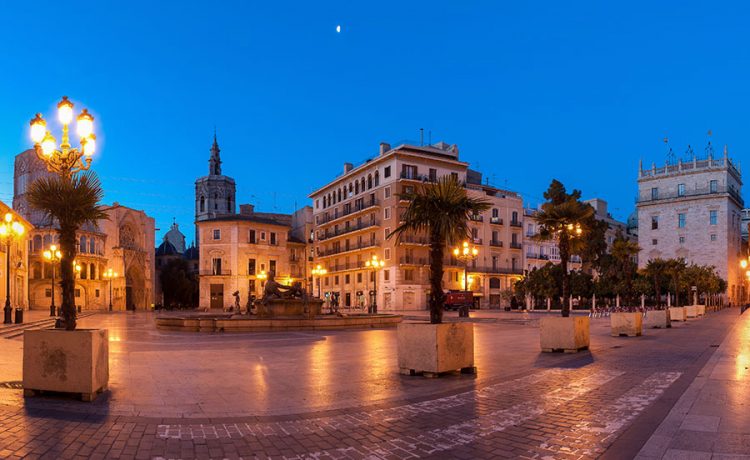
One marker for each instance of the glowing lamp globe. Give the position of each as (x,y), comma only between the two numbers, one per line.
(38,128)
(65,111)
(49,144)
(85,124)
(89,147)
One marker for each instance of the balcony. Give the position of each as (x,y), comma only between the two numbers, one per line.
(351,247)
(321,220)
(329,233)
(496,243)
(211,272)
(476,240)
(496,220)
(410,260)
(417,177)
(664,195)
(418,240)
(343,267)
(476,218)
(498,270)
(516,223)
(537,256)
(515,245)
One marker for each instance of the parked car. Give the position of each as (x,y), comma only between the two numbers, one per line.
(457,299)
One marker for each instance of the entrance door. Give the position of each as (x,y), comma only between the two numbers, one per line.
(129,301)
(217,296)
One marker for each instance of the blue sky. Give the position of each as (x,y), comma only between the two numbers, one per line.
(530,91)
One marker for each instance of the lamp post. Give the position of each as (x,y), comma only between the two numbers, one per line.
(109,274)
(53,255)
(65,162)
(318,272)
(9,230)
(466,253)
(374,264)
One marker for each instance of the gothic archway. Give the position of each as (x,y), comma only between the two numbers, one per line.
(135,289)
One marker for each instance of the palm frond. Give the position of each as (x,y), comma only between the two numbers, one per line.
(72,201)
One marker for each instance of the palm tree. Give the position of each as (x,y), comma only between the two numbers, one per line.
(563,217)
(441,210)
(72,202)
(623,251)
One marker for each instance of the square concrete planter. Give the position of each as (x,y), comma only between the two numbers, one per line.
(626,323)
(656,319)
(701,309)
(66,361)
(691,311)
(677,314)
(431,349)
(564,334)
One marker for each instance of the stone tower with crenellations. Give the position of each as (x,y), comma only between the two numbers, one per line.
(214,193)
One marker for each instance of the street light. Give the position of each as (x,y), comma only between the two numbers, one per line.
(9,230)
(53,255)
(466,253)
(66,161)
(110,275)
(319,272)
(374,264)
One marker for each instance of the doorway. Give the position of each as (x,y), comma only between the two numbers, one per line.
(217,296)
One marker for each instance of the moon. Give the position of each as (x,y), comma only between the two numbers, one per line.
(338,29)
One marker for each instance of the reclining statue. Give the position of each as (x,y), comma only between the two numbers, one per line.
(276,290)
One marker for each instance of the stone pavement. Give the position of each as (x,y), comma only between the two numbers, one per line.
(712,418)
(338,394)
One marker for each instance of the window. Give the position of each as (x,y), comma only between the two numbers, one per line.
(96,293)
(713,237)
(216,266)
(78,293)
(654,242)
(229,204)
(387,192)
(217,234)
(272,266)
(433,174)
(317,203)
(251,237)
(336,280)
(454,176)
(347,279)
(387,171)
(387,274)
(203,204)
(681,220)
(680,189)
(654,222)
(263,236)
(655,193)
(82,249)
(387,232)
(359,277)
(273,238)
(387,212)
(48,293)
(495,212)
(713,186)
(387,253)
(713,217)
(682,240)
(251,266)
(250,287)
(408,274)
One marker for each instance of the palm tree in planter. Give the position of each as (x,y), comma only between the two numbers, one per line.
(565,219)
(442,211)
(71,201)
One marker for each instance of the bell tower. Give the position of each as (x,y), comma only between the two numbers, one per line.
(214,193)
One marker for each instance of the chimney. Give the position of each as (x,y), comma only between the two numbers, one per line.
(384,147)
(348,167)
(247,209)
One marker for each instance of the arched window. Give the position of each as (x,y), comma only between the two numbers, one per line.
(377,178)
(203,203)
(92,246)
(82,246)
(514,217)
(369,181)
(495,212)
(84,270)
(47,240)
(494,283)
(339,197)
(229,204)
(356,187)
(37,243)
(362,184)
(92,271)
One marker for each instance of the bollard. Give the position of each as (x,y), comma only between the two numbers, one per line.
(19,315)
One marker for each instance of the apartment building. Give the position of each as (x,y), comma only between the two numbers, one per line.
(238,252)
(693,210)
(539,253)
(354,214)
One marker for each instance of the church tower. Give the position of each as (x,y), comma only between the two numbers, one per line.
(215,193)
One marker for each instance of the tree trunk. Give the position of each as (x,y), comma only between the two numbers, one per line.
(437,297)
(564,257)
(657,288)
(67,276)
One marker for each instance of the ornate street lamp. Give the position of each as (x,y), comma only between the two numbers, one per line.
(52,255)
(374,264)
(466,253)
(66,161)
(109,274)
(10,229)
(319,272)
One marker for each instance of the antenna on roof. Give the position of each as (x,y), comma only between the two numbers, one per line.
(421,137)
(709,148)
(429,137)
(670,152)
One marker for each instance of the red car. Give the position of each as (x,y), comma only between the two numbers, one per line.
(457,299)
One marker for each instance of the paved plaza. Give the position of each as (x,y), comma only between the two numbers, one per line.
(677,393)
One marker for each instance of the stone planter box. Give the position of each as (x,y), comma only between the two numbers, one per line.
(431,349)
(657,319)
(626,323)
(66,361)
(677,314)
(691,311)
(564,334)
(701,309)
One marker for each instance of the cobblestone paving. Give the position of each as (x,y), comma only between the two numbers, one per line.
(563,407)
